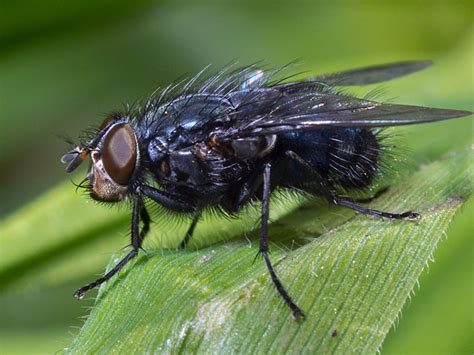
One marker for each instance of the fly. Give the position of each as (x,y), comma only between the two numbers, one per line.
(232,138)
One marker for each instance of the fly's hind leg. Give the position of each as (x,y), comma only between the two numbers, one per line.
(409,215)
(331,197)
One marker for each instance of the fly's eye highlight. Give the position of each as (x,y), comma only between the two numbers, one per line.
(119,153)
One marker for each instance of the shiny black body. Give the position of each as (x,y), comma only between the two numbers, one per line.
(229,139)
(345,158)
(207,171)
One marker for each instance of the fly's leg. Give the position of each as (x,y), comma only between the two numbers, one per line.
(137,238)
(173,201)
(409,215)
(297,312)
(145,217)
(176,202)
(189,233)
(331,197)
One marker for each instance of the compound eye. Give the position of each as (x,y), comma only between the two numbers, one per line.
(109,119)
(119,153)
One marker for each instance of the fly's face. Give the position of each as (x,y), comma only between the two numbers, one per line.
(114,154)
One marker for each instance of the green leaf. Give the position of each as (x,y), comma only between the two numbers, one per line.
(351,274)
(439,318)
(62,67)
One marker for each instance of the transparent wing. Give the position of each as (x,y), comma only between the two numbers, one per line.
(313,111)
(373,74)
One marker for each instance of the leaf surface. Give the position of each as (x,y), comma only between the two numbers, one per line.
(351,274)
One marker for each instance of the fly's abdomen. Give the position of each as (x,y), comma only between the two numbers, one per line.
(346,157)
(354,157)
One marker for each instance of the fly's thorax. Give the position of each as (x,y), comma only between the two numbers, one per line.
(198,168)
(175,166)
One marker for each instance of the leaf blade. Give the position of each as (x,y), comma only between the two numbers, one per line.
(212,299)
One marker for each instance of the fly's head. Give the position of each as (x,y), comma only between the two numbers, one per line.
(115,156)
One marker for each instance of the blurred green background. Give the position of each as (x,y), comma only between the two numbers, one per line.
(65,64)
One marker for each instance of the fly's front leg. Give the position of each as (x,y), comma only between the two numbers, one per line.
(137,239)
(189,233)
(173,201)
(297,312)
(145,217)
(176,202)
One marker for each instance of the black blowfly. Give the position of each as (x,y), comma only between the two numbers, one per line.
(230,139)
